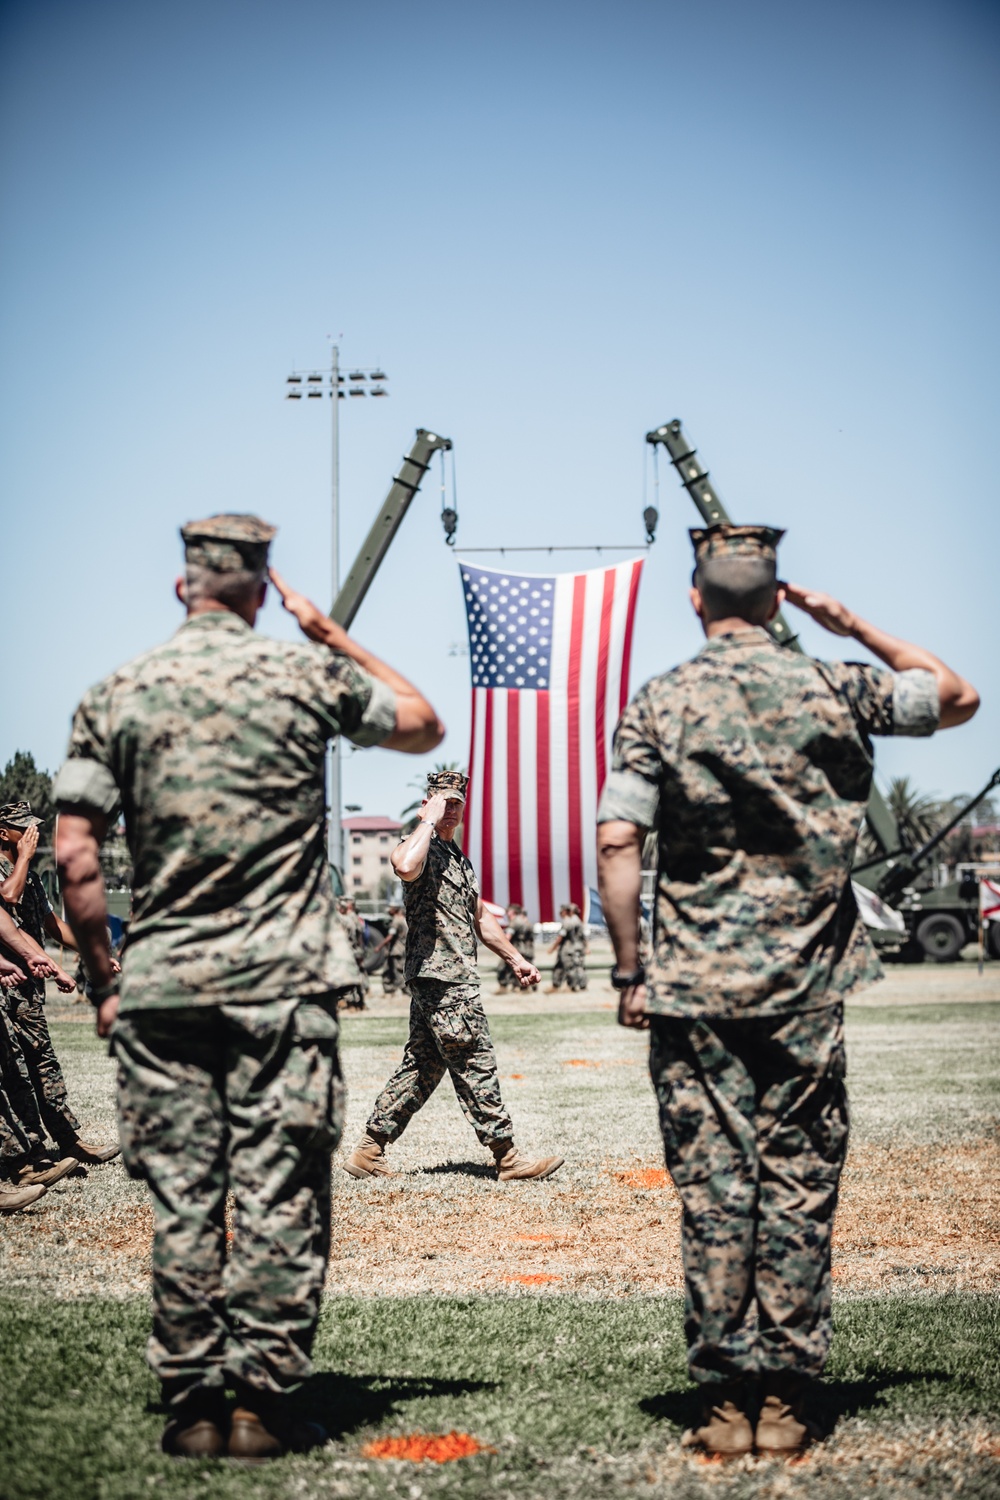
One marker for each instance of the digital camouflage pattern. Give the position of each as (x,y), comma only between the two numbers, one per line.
(573,953)
(393,973)
(26,1015)
(228,543)
(22,1133)
(355,929)
(449,1033)
(521,931)
(247,1097)
(754,1122)
(754,764)
(213,744)
(29,913)
(441,906)
(453,785)
(18,815)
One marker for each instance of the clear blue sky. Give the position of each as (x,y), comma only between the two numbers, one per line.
(557,226)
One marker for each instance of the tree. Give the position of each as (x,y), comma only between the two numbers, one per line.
(918,815)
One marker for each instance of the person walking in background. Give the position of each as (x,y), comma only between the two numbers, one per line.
(753,765)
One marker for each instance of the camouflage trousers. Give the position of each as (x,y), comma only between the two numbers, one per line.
(754,1122)
(26,1012)
(392,974)
(570,968)
(449,1033)
(22,1133)
(244,1099)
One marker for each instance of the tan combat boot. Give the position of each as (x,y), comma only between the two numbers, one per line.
(368,1159)
(89,1153)
(725,1427)
(14,1199)
(782,1429)
(197,1427)
(42,1170)
(513,1167)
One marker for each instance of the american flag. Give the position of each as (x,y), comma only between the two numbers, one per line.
(550,662)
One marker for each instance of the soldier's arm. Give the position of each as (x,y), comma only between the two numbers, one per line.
(35,957)
(492,935)
(418,727)
(410,854)
(12,888)
(78,841)
(59,930)
(958,698)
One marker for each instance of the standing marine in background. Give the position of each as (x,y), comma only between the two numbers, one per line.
(394,942)
(753,765)
(355,929)
(449,1032)
(570,948)
(521,931)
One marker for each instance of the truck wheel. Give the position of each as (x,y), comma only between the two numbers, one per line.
(941,936)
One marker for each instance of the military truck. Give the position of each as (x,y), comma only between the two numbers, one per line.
(938,920)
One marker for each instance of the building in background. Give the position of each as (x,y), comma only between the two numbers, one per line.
(368,843)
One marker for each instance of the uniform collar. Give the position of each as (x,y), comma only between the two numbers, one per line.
(751,635)
(216,619)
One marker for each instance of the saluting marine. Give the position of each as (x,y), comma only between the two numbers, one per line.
(449,1032)
(753,764)
(224,1022)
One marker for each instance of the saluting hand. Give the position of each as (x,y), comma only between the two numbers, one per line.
(434,809)
(312,621)
(823,608)
(28,842)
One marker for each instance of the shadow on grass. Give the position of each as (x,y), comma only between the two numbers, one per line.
(459,1169)
(343,1404)
(829,1400)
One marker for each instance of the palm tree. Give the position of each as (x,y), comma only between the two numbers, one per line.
(918,815)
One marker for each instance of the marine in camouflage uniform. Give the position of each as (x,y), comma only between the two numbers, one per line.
(570,948)
(521,931)
(394,972)
(226,1036)
(354,998)
(753,764)
(449,1032)
(23,898)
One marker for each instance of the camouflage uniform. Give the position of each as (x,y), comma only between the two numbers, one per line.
(355,929)
(754,764)
(448,1027)
(226,1039)
(25,1008)
(22,1134)
(573,953)
(521,932)
(395,956)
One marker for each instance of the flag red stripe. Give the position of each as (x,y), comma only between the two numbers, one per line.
(633,593)
(514,796)
(575,818)
(603,649)
(546,901)
(470,805)
(486,802)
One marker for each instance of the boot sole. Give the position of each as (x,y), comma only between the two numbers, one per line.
(360,1172)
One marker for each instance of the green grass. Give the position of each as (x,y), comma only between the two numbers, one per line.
(578,1398)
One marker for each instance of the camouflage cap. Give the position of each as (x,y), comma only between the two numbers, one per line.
(228,543)
(18,815)
(735,541)
(450,784)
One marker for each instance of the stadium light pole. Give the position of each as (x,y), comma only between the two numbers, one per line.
(314,385)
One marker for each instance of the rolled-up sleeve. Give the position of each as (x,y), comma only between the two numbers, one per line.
(356,704)
(85,783)
(379,718)
(916,702)
(632,790)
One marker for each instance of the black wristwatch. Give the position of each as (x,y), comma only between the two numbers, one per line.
(100,993)
(627,981)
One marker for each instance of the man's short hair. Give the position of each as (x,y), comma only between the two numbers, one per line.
(736,587)
(232,589)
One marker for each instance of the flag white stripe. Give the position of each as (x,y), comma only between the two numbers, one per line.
(498,811)
(529,803)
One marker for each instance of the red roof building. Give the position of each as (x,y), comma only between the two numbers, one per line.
(368,842)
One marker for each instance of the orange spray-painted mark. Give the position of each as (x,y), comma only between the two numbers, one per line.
(538,1279)
(426,1447)
(580,1062)
(646,1177)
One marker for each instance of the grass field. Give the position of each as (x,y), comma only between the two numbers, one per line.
(545,1319)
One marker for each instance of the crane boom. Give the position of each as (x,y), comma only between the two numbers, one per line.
(386,524)
(694,477)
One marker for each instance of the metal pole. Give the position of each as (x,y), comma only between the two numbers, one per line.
(335,831)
